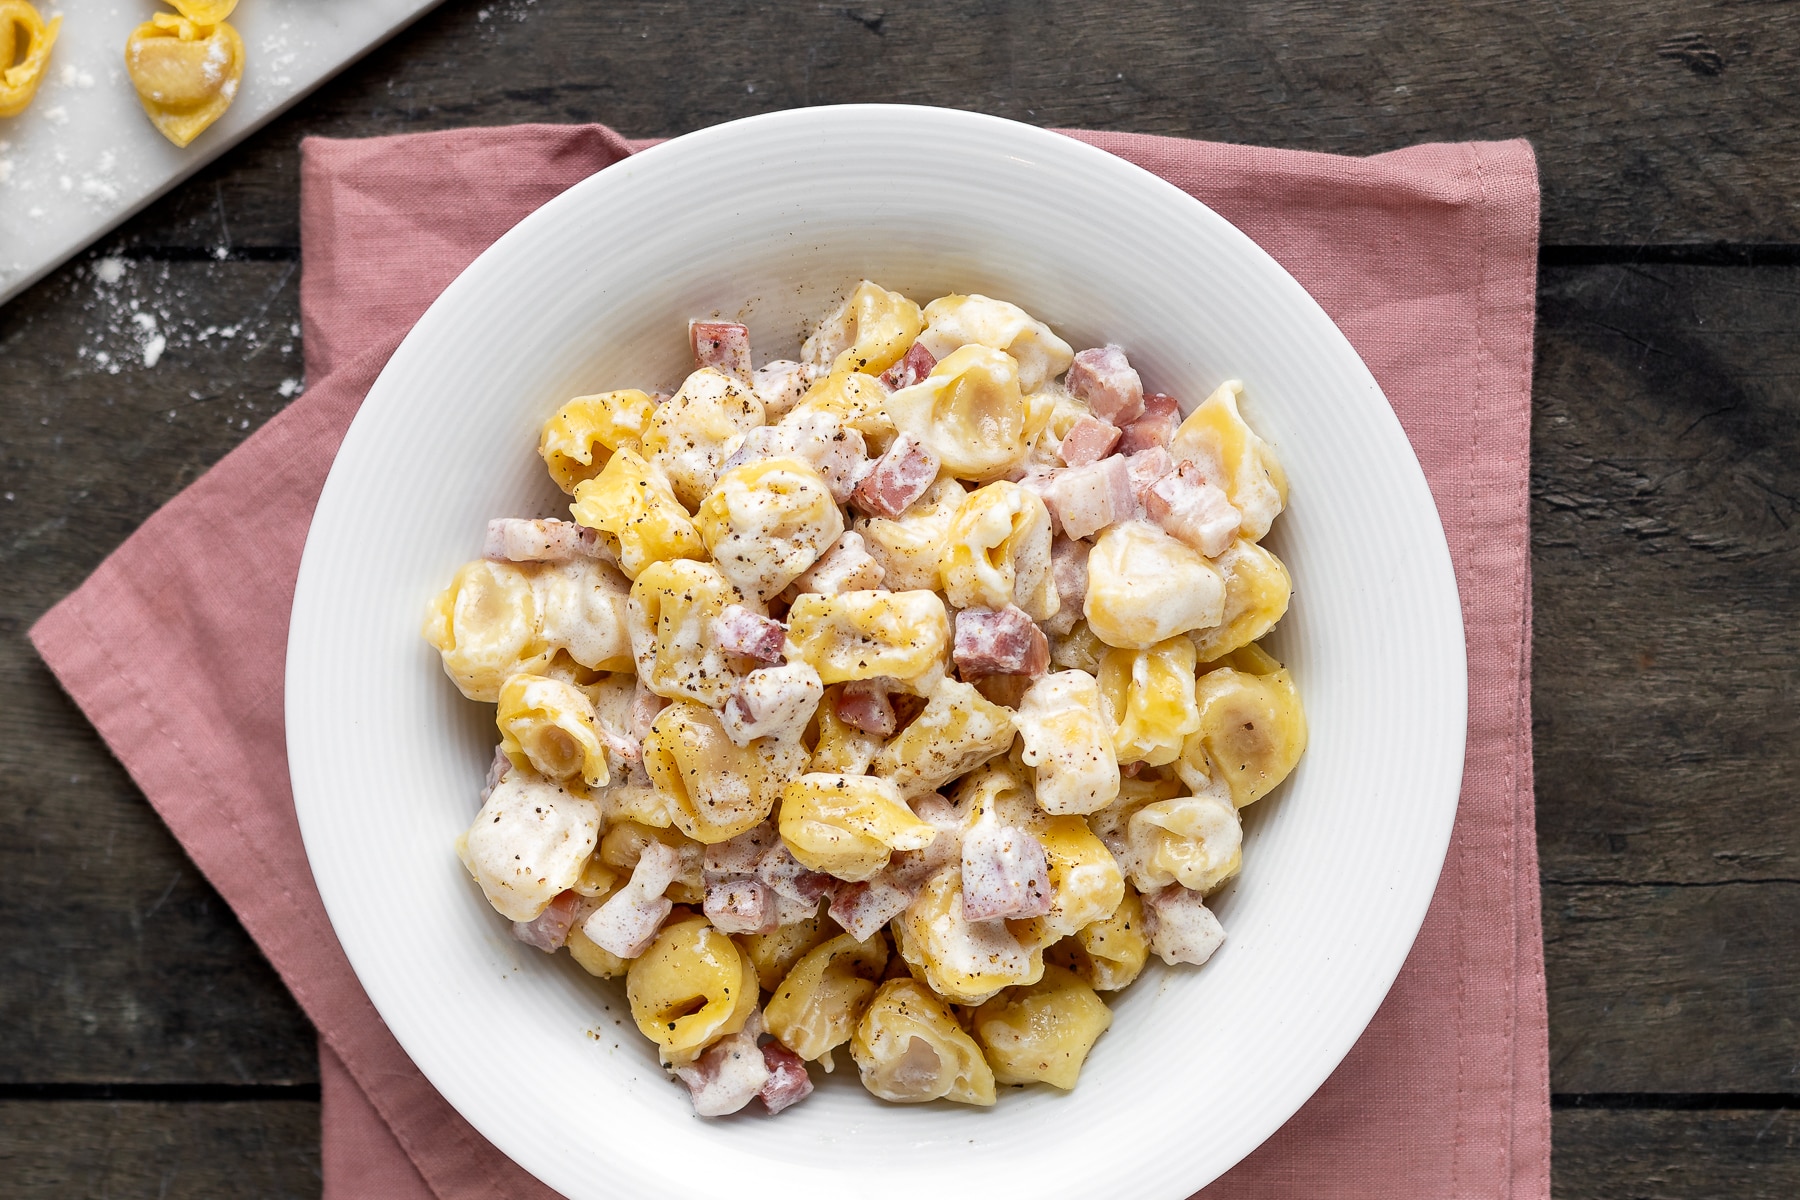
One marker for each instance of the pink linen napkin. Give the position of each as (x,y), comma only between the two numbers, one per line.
(1425,257)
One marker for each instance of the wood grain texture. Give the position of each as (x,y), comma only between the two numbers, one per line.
(1656,122)
(1666,552)
(267,1150)
(1746,1155)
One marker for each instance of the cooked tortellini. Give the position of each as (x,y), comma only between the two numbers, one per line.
(582,435)
(903,698)
(766,522)
(186,72)
(690,988)
(952,322)
(1144,586)
(969,412)
(631,505)
(863,635)
(816,1007)
(848,826)
(910,1049)
(690,435)
(1042,1033)
(996,552)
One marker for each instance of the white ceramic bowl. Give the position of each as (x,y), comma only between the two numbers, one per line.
(768,220)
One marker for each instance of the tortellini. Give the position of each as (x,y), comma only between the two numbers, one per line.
(958,730)
(23,59)
(186,73)
(862,635)
(848,825)
(840,748)
(529,843)
(910,1049)
(1066,736)
(582,435)
(690,988)
(964,961)
(717,789)
(1195,841)
(969,412)
(1257,590)
(1149,694)
(816,1007)
(690,435)
(1216,436)
(550,727)
(849,398)
(1144,586)
(1042,1033)
(672,608)
(956,321)
(1251,731)
(766,522)
(774,954)
(868,332)
(1108,954)
(909,547)
(487,627)
(996,552)
(584,612)
(636,513)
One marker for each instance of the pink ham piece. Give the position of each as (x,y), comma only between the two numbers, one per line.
(1089,440)
(737,630)
(1003,642)
(497,770)
(645,704)
(913,366)
(551,928)
(791,881)
(863,704)
(511,539)
(772,702)
(1162,417)
(1087,499)
(1193,510)
(1180,928)
(627,923)
(863,908)
(846,567)
(1105,379)
(1069,571)
(729,1075)
(723,346)
(1005,873)
(1146,467)
(788,1082)
(821,440)
(741,905)
(900,477)
(738,855)
(780,385)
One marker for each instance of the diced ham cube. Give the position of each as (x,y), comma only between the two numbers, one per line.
(1088,499)
(722,345)
(1040,480)
(738,855)
(1003,642)
(913,366)
(899,477)
(737,630)
(511,539)
(645,704)
(863,908)
(741,905)
(1146,467)
(728,1076)
(1005,873)
(1105,379)
(1193,510)
(1005,690)
(863,704)
(788,1082)
(783,872)
(772,702)
(846,567)
(551,928)
(627,923)
(1180,927)
(819,439)
(1089,440)
(780,385)
(1068,571)
(1162,417)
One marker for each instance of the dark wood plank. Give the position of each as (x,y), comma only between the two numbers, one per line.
(1673,989)
(220,1151)
(1747,1155)
(120,963)
(1666,547)
(1656,122)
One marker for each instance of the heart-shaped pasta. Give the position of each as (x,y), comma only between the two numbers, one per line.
(186,73)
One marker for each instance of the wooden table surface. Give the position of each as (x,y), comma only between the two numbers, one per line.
(147,1050)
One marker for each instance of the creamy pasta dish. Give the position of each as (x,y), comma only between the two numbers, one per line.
(902,698)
